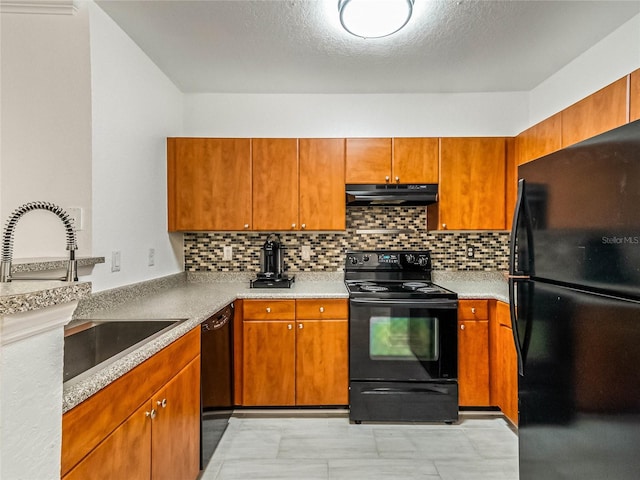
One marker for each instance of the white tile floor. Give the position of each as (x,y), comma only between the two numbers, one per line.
(329,447)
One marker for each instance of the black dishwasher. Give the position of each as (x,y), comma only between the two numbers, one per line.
(216,387)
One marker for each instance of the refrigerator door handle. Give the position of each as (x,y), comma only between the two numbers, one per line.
(514,324)
(521,212)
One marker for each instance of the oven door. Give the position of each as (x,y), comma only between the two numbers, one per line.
(403,340)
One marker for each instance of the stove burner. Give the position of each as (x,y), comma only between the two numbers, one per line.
(428,290)
(373,288)
(414,285)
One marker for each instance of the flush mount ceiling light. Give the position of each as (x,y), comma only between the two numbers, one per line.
(374,18)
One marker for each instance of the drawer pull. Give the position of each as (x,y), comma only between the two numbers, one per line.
(462,327)
(300,326)
(321,309)
(473,310)
(268,309)
(289,326)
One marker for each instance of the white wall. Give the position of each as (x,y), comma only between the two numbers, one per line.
(612,58)
(469,114)
(45,140)
(135,107)
(307,115)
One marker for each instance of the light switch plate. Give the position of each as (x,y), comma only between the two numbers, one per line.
(115,261)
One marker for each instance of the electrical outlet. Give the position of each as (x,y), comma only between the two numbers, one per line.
(152,257)
(305,253)
(471,251)
(76,215)
(227,252)
(115,261)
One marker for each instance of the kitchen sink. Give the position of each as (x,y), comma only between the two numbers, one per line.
(101,342)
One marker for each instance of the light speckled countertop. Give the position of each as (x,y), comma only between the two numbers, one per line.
(25,295)
(194,297)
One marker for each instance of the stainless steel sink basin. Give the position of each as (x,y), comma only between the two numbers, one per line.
(99,343)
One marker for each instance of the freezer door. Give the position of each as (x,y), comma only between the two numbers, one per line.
(583,202)
(579,394)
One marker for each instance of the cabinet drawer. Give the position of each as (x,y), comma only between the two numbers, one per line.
(318,309)
(473,309)
(269,310)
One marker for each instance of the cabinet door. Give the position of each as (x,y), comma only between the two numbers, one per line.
(268,364)
(604,110)
(322,194)
(126,453)
(415,160)
(275,183)
(634,96)
(507,365)
(176,429)
(322,362)
(539,140)
(209,183)
(472,184)
(368,160)
(473,352)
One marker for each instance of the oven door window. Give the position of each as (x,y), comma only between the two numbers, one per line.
(403,338)
(399,341)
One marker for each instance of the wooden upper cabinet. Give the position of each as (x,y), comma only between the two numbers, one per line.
(472,184)
(209,183)
(275,183)
(368,160)
(397,160)
(604,110)
(322,195)
(415,160)
(634,96)
(541,139)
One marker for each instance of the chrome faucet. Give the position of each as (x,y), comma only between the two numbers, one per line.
(7,241)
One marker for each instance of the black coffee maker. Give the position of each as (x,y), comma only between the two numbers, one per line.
(272,265)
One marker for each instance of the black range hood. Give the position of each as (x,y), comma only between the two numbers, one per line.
(392,195)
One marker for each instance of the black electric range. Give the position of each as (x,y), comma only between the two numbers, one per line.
(403,339)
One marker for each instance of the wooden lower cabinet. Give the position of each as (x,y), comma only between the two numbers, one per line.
(473,353)
(144,425)
(126,453)
(299,359)
(268,362)
(504,363)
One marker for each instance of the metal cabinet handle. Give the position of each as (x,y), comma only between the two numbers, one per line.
(303,226)
(268,309)
(387,178)
(300,326)
(246,226)
(151,414)
(293,225)
(397,179)
(321,309)
(162,403)
(289,327)
(462,327)
(444,226)
(473,310)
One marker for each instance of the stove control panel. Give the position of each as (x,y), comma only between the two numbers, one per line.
(389,260)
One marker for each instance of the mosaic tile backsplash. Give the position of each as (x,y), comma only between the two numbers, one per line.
(203,251)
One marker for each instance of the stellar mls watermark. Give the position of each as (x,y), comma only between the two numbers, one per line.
(615,240)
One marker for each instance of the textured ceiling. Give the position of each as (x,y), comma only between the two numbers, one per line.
(298,46)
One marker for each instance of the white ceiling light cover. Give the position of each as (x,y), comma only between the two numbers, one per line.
(374,18)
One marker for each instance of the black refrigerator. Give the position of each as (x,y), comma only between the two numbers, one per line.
(575,310)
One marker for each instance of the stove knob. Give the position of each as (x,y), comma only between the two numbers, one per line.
(353,260)
(365,258)
(423,261)
(410,258)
